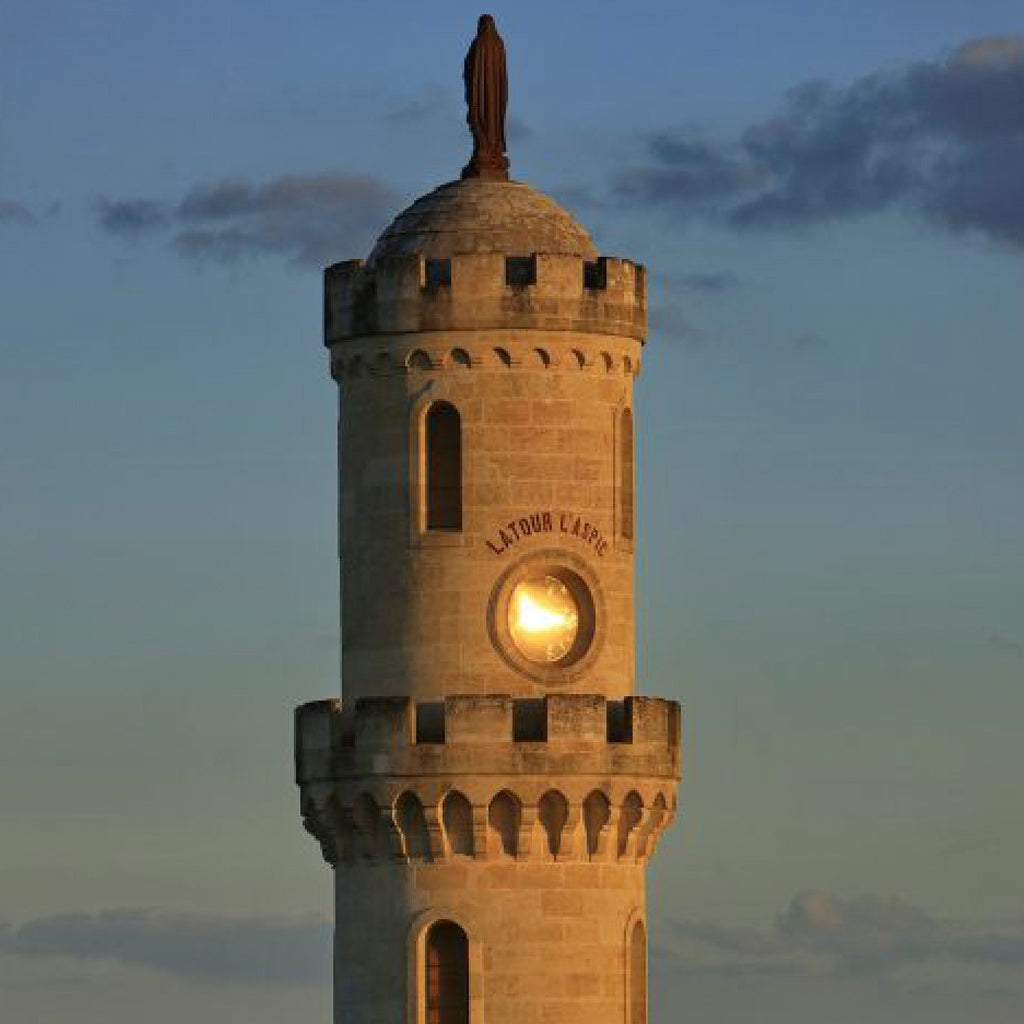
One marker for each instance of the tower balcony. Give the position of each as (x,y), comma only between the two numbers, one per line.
(564,777)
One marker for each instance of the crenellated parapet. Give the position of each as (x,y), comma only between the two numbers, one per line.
(403,293)
(565,777)
(472,734)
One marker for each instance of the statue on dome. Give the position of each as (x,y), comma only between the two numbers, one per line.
(486,83)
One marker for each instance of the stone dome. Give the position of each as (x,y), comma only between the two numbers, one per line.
(480,216)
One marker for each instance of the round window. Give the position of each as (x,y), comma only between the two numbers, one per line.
(544,616)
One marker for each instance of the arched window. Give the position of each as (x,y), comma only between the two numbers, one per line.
(444,467)
(636,964)
(447,974)
(626,474)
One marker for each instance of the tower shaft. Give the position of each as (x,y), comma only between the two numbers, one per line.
(489,788)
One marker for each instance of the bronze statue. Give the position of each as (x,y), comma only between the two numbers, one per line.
(486,97)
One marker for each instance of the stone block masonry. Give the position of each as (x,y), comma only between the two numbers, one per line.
(490,786)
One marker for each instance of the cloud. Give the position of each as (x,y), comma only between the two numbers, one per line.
(668,320)
(15,213)
(688,174)
(708,282)
(131,217)
(310,219)
(742,941)
(863,936)
(1004,950)
(866,935)
(411,111)
(575,199)
(942,139)
(198,947)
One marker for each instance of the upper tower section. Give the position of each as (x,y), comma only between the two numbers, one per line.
(478,254)
(485,354)
(484,252)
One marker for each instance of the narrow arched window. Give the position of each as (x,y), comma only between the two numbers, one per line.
(444,467)
(447,974)
(626,474)
(636,956)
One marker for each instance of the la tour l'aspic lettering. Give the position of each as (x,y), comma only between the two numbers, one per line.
(568,523)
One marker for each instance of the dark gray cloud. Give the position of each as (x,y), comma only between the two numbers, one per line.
(943,139)
(132,217)
(689,171)
(12,212)
(199,947)
(310,219)
(863,936)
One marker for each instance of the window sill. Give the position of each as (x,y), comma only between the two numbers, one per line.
(438,539)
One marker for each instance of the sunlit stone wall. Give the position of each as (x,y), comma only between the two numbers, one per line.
(541,471)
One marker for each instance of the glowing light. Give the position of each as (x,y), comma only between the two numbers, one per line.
(535,617)
(543,618)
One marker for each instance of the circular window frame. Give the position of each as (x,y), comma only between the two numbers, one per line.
(582,583)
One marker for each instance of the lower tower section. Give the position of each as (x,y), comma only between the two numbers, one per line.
(489,852)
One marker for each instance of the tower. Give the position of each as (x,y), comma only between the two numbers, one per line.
(489,788)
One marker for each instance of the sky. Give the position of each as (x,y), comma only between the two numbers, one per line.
(830,202)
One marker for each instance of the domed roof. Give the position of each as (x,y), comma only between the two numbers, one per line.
(480,216)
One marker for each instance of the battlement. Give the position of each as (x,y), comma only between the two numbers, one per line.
(572,777)
(570,733)
(481,291)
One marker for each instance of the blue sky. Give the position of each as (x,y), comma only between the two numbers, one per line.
(830,422)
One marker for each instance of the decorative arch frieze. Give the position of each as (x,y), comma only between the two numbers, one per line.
(375,361)
(531,822)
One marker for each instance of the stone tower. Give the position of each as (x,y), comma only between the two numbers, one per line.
(489,788)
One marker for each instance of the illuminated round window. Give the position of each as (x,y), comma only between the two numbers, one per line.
(546,616)
(543,619)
